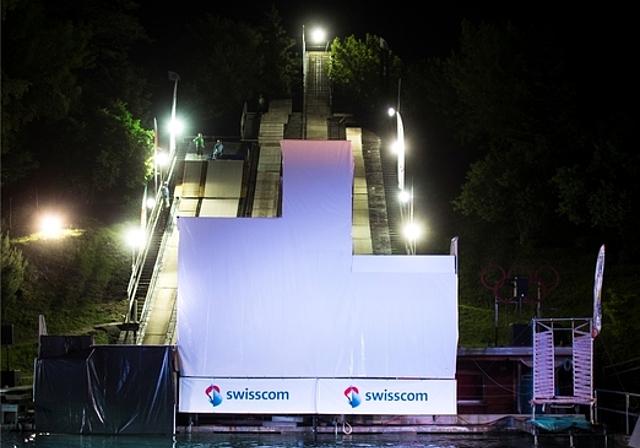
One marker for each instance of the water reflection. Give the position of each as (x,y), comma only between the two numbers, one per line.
(202,440)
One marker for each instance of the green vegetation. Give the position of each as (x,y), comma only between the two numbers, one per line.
(355,69)
(520,167)
(77,281)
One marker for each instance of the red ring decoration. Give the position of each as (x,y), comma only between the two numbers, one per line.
(533,280)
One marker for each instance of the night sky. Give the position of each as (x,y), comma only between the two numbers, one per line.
(596,43)
(413,30)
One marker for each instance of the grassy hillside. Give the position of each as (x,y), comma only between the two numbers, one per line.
(79,281)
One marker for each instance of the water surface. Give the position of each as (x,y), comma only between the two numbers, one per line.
(200,440)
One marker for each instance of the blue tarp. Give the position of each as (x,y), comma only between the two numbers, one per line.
(562,423)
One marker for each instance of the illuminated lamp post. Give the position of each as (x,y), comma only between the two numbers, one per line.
(399,146)
(134,238)
(162,160)
(173,76)
(412,231)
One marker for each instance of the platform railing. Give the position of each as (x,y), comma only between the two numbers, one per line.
(618,403)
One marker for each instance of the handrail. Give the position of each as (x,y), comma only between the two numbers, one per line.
(625,409)
(143,318)
(138,263)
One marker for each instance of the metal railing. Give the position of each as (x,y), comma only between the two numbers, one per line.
(618,403)
(138,261)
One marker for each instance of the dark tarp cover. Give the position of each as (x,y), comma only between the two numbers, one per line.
(106,390)
(560,423)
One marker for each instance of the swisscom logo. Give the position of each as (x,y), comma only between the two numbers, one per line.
(353,396)
(355,399)
(216,396)
(213,392)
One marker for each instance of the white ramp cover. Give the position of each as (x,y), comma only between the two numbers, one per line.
(275,315)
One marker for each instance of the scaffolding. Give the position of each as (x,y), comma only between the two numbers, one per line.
(547,334)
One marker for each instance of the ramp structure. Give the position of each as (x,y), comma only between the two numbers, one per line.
(278,316)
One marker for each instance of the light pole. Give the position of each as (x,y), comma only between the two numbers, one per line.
(155,153)
(173,76)
(304,85)
(162,160)
(412,230)
(134,241)
(399,146)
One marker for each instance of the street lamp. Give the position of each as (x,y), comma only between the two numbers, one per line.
(173,76)
(412,231)
(318,35)
(162,160)
(134,238)
(400,148)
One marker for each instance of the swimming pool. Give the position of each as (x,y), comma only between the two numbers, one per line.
(201,440)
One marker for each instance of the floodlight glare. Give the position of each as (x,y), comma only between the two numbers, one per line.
(412,231)
(318,35)
(162,158)
(50,226)
(404,196)
(176,126)
(135,238)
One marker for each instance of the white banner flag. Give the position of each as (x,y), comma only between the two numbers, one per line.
(597,294)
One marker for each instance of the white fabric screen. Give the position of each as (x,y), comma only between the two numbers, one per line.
(285,297)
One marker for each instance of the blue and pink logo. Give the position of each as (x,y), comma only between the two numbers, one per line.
(213,392)
(353,395)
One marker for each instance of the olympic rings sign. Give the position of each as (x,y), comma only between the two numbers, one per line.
(536,278)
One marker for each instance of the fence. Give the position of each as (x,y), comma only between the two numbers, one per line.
(623,404)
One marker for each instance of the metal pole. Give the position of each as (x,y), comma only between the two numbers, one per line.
(539,301)
(400,130)
(173,116)
(495,320)
(304,85)
(155,153)
(413,236)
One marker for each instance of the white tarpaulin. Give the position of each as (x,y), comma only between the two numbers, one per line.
(317,396)
(284,297)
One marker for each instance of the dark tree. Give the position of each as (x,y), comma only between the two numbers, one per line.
(506,95)
(69,83)
(362,72)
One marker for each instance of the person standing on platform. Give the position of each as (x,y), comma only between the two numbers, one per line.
(199,142)
(217,149)
(165,194)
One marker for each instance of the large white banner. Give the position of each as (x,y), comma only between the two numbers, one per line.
(321,396)
(285,297)
(386,397)
(254,396)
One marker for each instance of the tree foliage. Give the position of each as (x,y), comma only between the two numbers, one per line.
(42,54)
(364,72)
(598,187)
(228,62)
(120,157)
(281,69)
(505,94)
(13,273)
(223,65)
(66,72)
